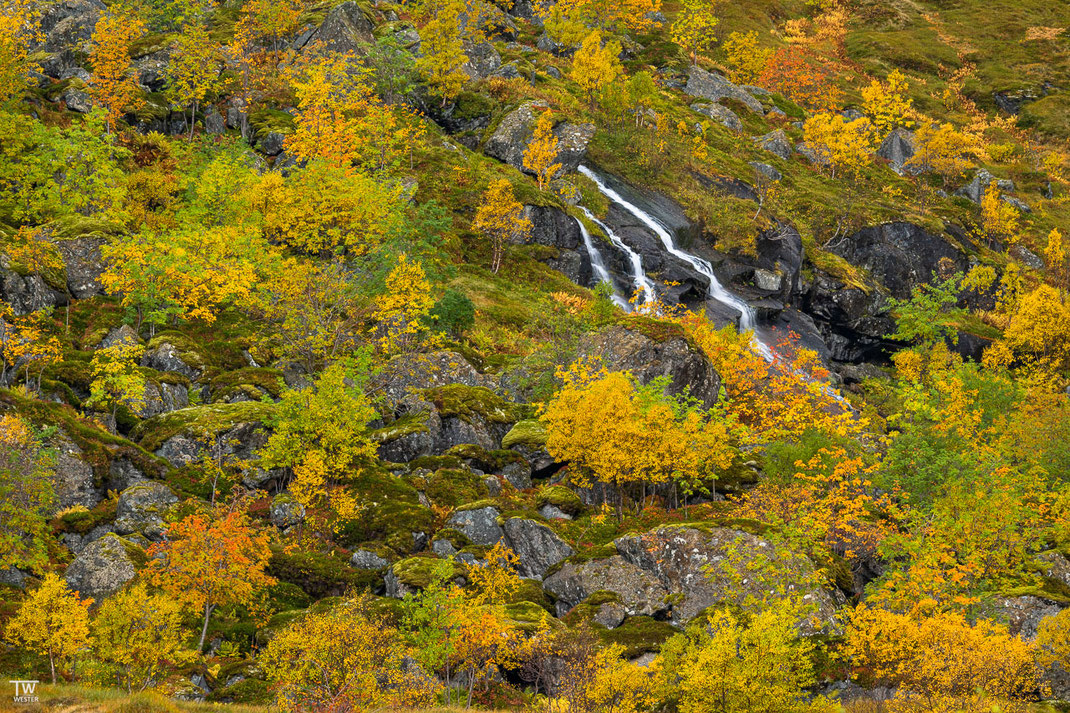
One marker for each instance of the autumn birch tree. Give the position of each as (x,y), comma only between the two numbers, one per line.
(53,621)
(541,154)
(113,82)
(501,219)
(193,71)
(210,561)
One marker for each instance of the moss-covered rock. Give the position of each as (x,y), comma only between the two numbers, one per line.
(251,384)
(487,461)
(249,691)
(199,421)
(638,635)
(471,402)
(390,512)
(317,574)
(450,488)
(415,572)
(561,498)
(530,433)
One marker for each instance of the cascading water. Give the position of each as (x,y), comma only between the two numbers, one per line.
(599,265)
(747,320)
(643,284)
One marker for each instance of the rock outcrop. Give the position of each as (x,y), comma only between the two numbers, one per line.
(624,349)
(641,593)
(716,88)
(103,567)
(687,563)
(536,545)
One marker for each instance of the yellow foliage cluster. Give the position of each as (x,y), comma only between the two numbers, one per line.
(843,147)
(501,218)
(596,65)
(746,60)
(19,26)
(943,663)
(541,153)
(113,82)
(403,309)
(694,28)
(942,149)
(344,659)
(611,432)
(887,103)
(569,21)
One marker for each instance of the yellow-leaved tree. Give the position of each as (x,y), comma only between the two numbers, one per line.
(1000,220)
(941,149)
(343,122)
(139,633)
(746,60)
(596,65)
(20,22)
(1056,259)
(403,309)
(887,103)
(943,662)
(113,82)
(327,210)
(541,154)
(695,27)
(193,71)
(612,432)
(843,147)
(500,217)
(27,494)
(320,435)
(116,378)
(732,663)
(442,57)
(53,621)
(345,658)
(211,560)
(569,21)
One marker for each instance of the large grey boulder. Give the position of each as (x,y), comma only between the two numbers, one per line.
(483,60)
(103,567)
(74,477)
(367,560)
(1023,614)
(27,293)
(141,509)
(623,349)
(67,27)
(721,114)
(716,88)
(702,569)
(479,525)
(123,334)
(897,149)
(537,546)
(81,257)
(901,255)
(510,140)
(285,512)
(776,143)
(976,188)
(345,29)
(165,357)
(640,592)
(407,373)
(163,398)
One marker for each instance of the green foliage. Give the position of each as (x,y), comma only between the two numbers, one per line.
(930,313)
(453,314)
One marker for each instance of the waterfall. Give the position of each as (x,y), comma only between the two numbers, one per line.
(599,265)
(640,282)
(717,292)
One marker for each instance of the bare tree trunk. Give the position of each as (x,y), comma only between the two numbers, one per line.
(208,609)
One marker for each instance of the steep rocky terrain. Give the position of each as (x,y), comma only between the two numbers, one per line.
(701,188)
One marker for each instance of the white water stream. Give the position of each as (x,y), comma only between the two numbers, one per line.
(640,282)
(717,292)
(599,265)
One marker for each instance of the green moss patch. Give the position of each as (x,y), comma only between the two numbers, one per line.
(318,575)
(199,421)
(416,571)
(562,498)
(451,488)
(469,402)
(638,635)
(530,433)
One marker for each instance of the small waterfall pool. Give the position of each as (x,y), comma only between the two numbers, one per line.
(748,319)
